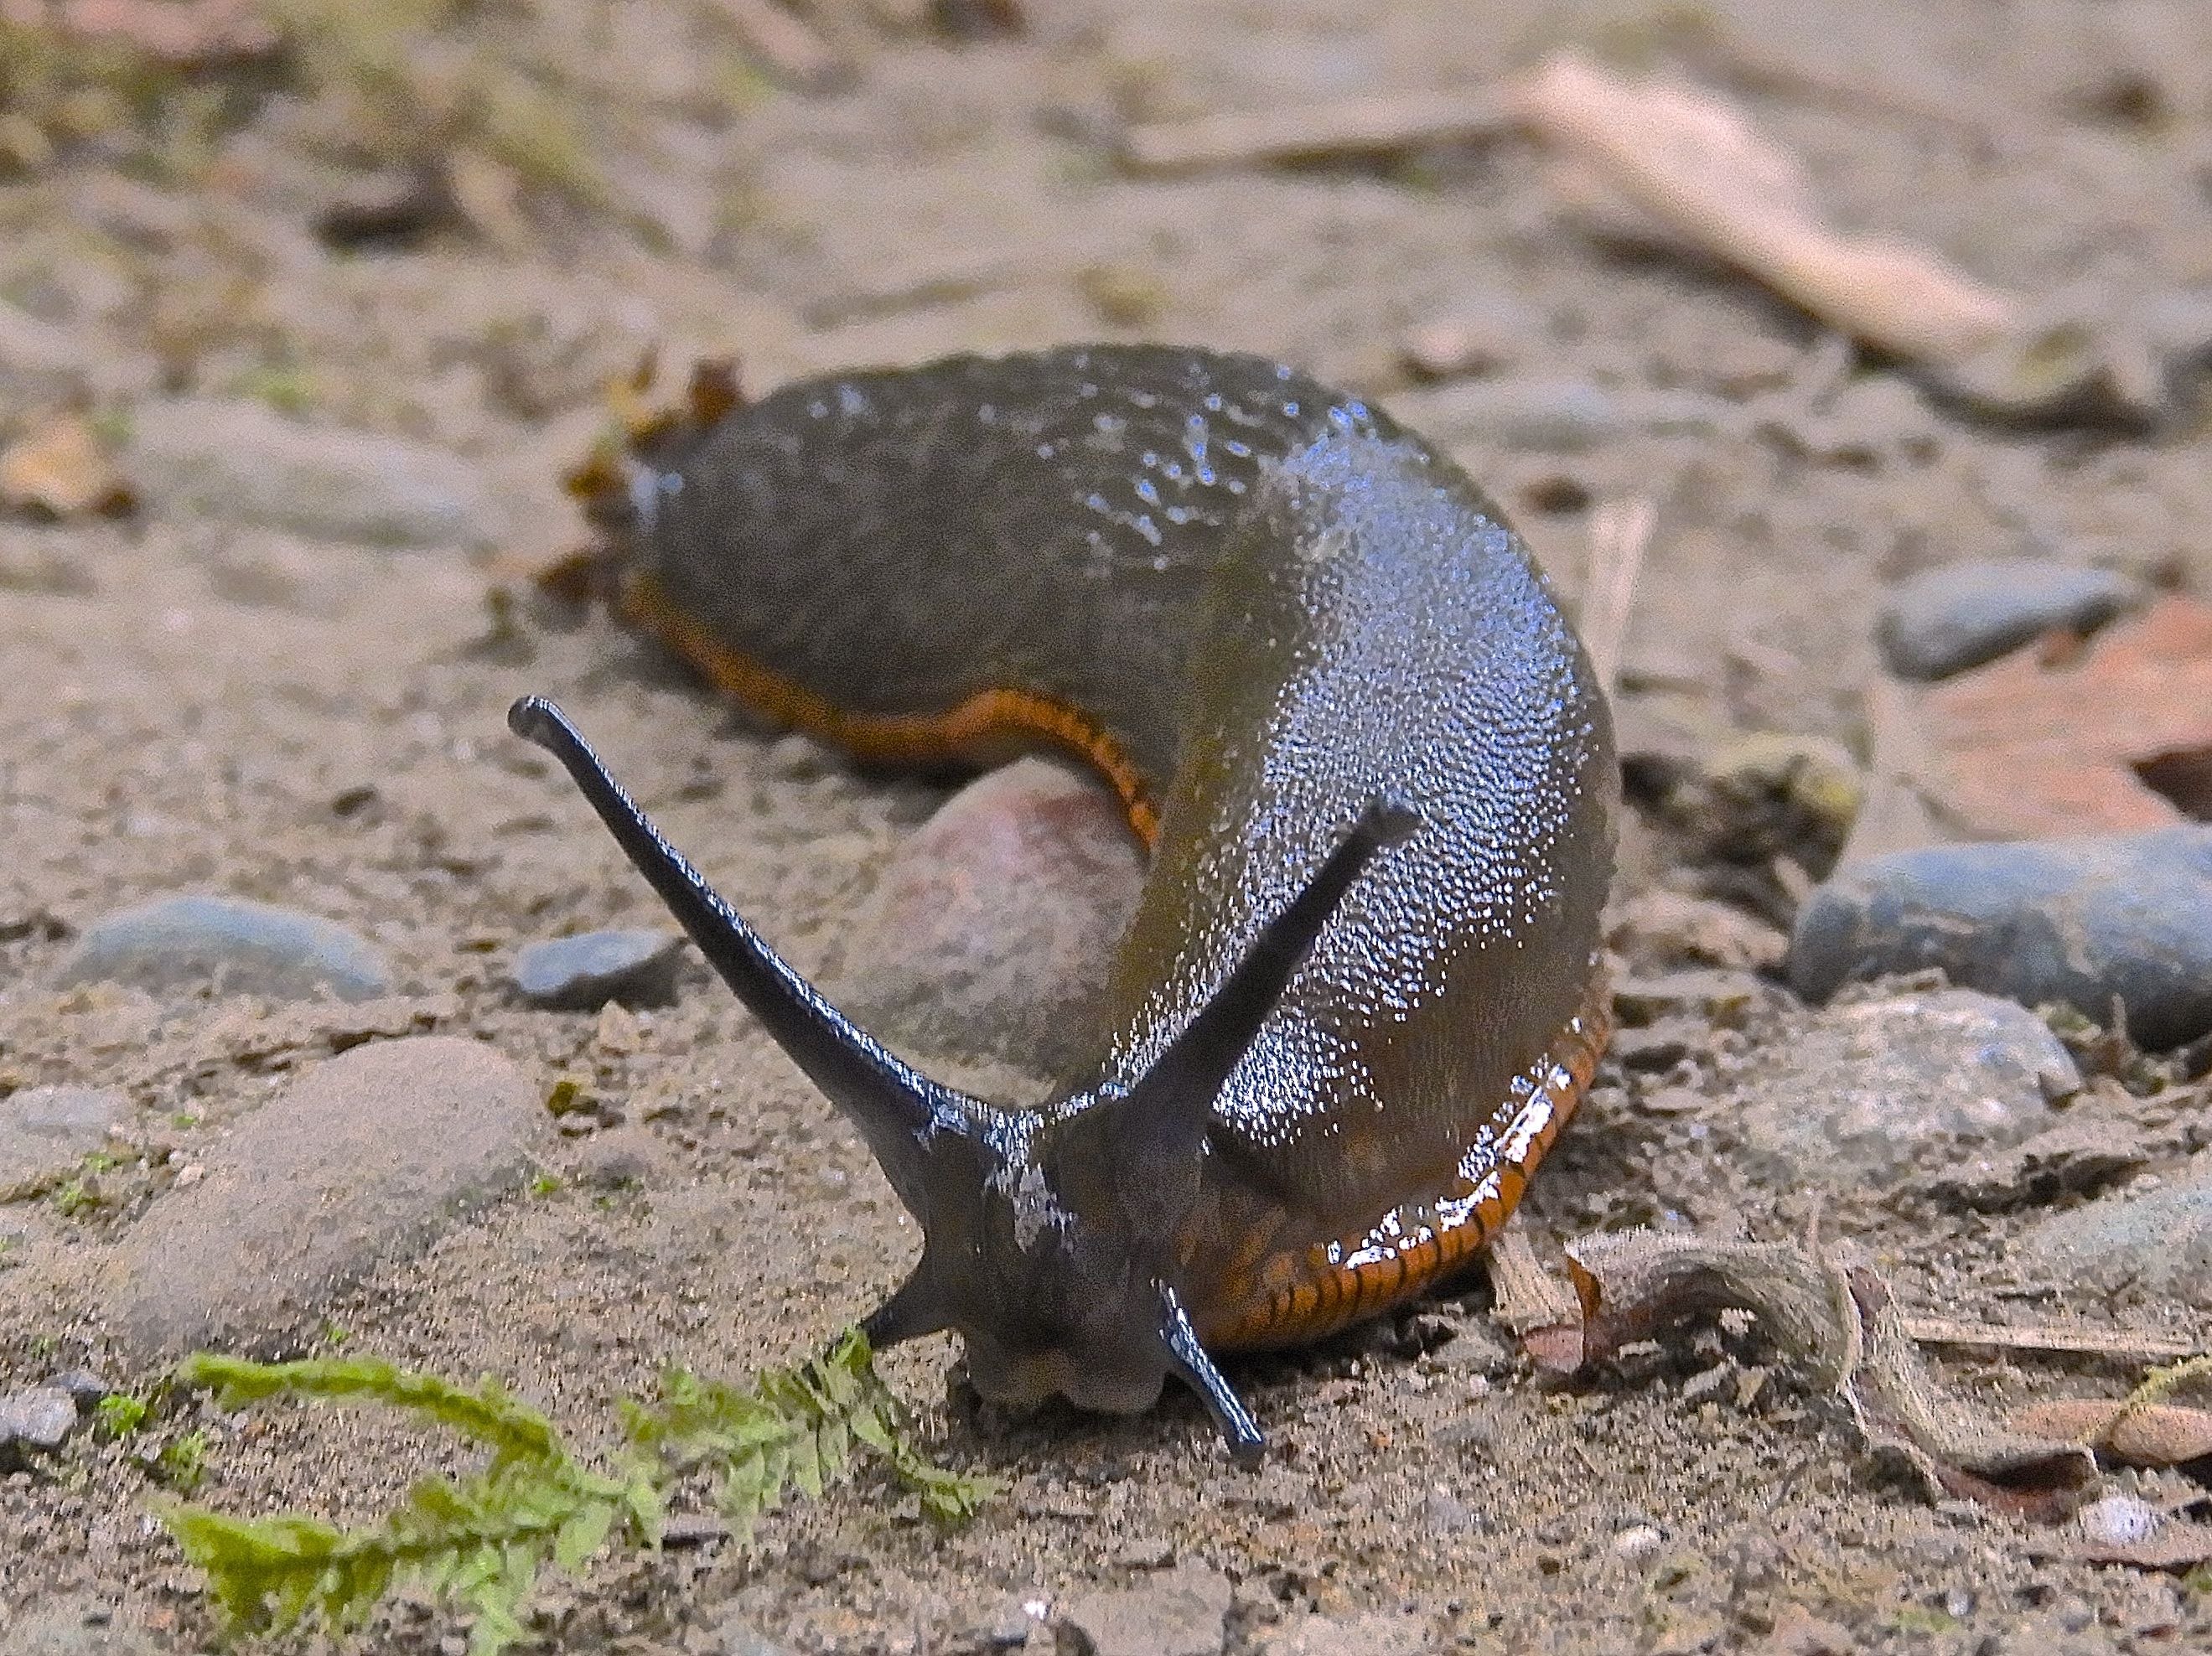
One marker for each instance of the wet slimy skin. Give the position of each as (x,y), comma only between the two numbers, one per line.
(1341,708)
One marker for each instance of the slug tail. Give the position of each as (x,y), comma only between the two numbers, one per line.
(902,1112)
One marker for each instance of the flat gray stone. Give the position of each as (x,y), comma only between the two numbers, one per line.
(1179,1612)
(39,1418)
(2159,1240)
(43,1130)
(1859,1095)
(363,1160)
(1946,620)
(239,461)
(2079,921)
(583,974)
(227,945)
(995,924)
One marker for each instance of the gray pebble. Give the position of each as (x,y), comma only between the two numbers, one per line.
(583,974)
(2078,921)
(1946,620)
(43,1130)
(241,462)
(363,1159)
(1180,1612)
(1859,1095)
(38,1418)
(229,945)
(2159,1239)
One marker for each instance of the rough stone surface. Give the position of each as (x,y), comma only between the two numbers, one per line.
(362,1159)
(39,1418)
(44,1129)
(78,1625)
(1944,620)
(229,945)
(2157,1239)
(996,925)
(583,974)
(1180,1612)
(242,461)
(735,1635)
(1375,1634)
(1864,1090)
(2079,921)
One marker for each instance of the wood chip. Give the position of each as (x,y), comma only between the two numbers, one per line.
(59,471)
(2147,1435)
(2117,1343)
(1692,168)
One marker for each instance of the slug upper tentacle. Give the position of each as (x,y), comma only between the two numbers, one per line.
(1295,640)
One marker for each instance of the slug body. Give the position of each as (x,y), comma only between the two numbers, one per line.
(1360,995)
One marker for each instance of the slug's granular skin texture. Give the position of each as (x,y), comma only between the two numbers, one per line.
(1256,605)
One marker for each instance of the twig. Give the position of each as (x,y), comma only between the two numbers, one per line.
(1356,126)
(785,46)
(2049,1336)
(1620,532)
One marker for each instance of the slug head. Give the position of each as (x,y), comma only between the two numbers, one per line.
(1054,1239)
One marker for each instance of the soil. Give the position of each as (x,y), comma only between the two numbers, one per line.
(189,704)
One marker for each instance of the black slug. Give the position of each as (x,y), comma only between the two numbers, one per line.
(1361,993)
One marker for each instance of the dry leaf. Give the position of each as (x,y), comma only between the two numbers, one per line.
(1842,1320)
(59,471)
(1690,164)
(2146,1434)
(2026,749)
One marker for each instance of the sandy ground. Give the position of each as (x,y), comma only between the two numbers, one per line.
(185,703)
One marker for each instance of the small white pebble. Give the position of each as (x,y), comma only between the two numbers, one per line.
(2117,1521)
(190,1175)
(1637,1541)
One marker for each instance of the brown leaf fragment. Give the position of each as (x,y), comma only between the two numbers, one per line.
(1841,1320)
(59,471)
(2151,1434)
(2020,749)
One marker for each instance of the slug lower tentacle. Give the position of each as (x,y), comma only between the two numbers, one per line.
(1360,995)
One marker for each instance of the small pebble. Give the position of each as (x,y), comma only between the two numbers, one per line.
(39,1418)
(360,1160)
(2158,1240)
(995,924)
(240,462)
(583,974)
(2080,921)
(1179,1612)
(1638,1542)
(2117,1521)
(1856,1097)
(736,1635)
(45,1129)
(229,946)
(1944,620)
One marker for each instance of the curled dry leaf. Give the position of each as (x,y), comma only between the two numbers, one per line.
(2149,1434)
(58,470)
(2104,741)
(1842,1322)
